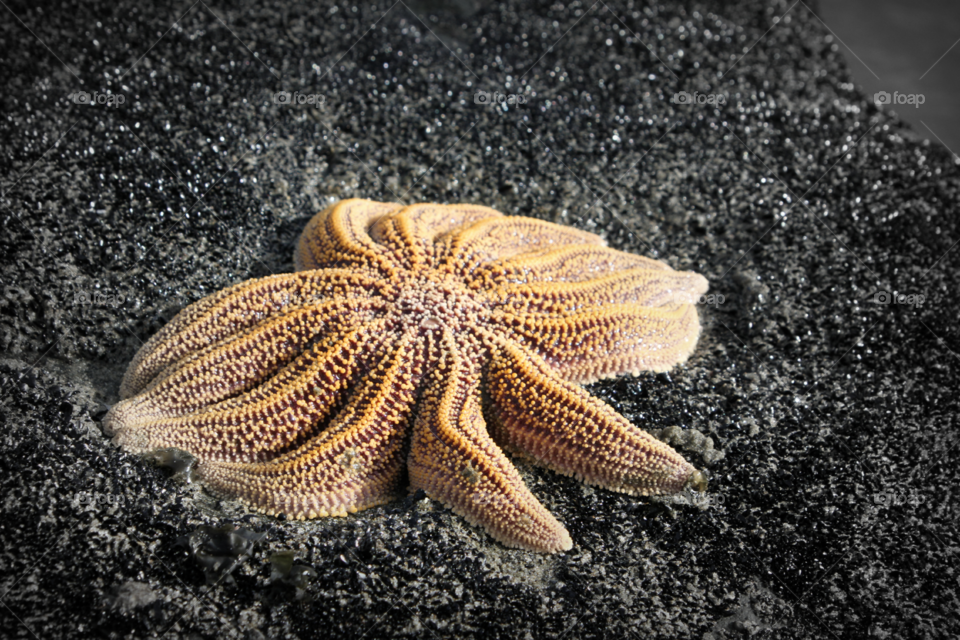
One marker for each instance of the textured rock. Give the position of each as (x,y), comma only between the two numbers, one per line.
(834,405)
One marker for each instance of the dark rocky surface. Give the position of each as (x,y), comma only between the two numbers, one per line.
(831,511)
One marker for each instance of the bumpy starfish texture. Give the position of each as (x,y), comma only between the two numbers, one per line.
(427,338)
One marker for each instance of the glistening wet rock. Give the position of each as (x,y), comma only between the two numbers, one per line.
(797,197)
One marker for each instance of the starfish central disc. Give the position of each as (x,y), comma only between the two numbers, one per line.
(434,305)
(428,338)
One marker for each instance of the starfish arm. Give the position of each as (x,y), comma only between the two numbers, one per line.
(559,425)
(454,460)
(411,232)
(571,263)
(236,364)
(601,342)
(235,310)
(494,239)
(339,236)
(267,420)
(355,463)
(645,287)
(240,362)
(431,221)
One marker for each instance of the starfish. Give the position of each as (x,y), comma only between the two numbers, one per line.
(427,338)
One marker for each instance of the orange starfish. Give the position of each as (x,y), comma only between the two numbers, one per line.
(428,337)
